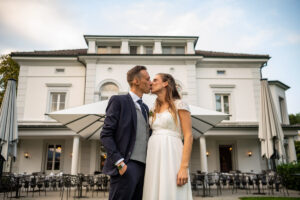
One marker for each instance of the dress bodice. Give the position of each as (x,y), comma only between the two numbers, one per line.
(164,121)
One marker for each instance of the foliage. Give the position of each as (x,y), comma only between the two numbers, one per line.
(294,119)
(288,171)
(9,69)
(297,147)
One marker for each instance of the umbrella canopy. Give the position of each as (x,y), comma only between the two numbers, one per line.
(87,120)
(8,122)
(270,129)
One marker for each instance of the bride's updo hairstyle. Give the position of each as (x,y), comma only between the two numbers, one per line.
(171,95)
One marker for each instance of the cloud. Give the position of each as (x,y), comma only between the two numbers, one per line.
(43,22)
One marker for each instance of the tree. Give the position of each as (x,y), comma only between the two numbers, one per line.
(9,69)
(294,119)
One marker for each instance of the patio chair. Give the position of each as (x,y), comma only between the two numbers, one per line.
(218,183)
(33,184)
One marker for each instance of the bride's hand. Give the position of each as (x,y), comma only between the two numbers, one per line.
(182,176)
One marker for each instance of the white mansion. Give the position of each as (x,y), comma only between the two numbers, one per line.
(227,82)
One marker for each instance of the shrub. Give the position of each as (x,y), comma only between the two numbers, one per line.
(288,171)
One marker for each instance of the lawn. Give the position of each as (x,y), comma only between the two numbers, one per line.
(269,198)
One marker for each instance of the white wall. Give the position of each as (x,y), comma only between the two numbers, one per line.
(35,148)
(242,83)
(118,75)
(34,104)
(277,92)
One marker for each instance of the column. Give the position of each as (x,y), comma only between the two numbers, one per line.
(124,47)
(75,155)
(142,49)
(190,47)
(157,47)
(92,47)
(292,150)
(93,156)
(203,158)
(90,81)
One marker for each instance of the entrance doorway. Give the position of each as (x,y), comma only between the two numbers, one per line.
(225,152)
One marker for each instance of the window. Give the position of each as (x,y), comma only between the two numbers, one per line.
(57,101)
(53,157)
(149,50)
(222,103)
(221,72)
(102,50)
(59,70)
(179,50)
(166,50)
(115,50)
(173,50)
(133,49)
(282,110)
(107,90)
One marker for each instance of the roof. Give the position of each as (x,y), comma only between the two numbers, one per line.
(229,55)
(77,52)
(64,52)
(279,84)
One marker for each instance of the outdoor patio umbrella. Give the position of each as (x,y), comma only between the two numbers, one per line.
(8,124)
(270,131)
(87,120)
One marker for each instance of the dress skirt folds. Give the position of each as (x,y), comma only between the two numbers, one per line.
(163,161)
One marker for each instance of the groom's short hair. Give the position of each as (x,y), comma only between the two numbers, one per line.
(134,72)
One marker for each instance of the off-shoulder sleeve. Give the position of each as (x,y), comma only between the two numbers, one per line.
(181,105)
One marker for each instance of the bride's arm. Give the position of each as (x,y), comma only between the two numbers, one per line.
(186,125)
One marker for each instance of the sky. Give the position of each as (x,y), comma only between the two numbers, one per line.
(241,26)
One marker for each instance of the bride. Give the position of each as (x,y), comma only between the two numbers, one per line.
(167,163)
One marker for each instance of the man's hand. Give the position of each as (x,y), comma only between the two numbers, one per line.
(124,168)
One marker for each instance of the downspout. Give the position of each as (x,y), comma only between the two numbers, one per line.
(84,78)
(263,65)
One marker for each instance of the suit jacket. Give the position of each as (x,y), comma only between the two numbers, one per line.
(118,133)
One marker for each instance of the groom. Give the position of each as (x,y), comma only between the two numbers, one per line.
(125,134)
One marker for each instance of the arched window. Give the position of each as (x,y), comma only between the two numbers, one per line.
(107,90)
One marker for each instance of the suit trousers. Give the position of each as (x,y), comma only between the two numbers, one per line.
(129,186)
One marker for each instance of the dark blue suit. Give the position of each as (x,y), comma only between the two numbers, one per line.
(118,136)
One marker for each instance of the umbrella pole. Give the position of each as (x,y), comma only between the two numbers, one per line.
(274,156)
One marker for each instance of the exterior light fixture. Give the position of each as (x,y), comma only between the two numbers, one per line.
(249,153)
(207,153)
(26,155)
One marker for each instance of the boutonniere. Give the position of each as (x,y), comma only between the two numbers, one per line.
(150,113)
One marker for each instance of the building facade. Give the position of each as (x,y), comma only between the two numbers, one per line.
(226,82)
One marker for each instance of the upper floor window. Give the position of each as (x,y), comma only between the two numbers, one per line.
(166,50)
(222,103)
(57,101)
(109,49)
(102,49)
(115,49)
(107,90)
(179,50)
(173,50)
(221,72)
(283,112)
(133,49)
(149,50)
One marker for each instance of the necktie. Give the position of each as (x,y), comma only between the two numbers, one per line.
(140,102)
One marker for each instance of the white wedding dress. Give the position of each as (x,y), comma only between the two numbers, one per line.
(164,158)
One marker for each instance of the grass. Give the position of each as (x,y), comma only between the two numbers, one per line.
(269,198)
